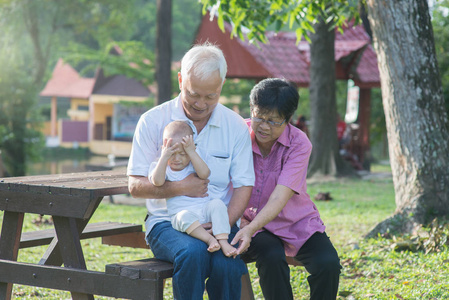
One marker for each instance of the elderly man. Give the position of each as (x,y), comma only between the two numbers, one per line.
(223,136)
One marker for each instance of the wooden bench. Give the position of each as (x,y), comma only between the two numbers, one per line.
(93,230)
(150,269)
(155,268)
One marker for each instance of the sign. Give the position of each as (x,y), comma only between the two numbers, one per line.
(125,120)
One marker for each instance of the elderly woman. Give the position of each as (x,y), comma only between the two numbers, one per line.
(280,218)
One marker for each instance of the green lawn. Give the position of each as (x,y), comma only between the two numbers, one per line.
(371,269)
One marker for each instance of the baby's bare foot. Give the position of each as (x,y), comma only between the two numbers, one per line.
(227,249)
(213,245)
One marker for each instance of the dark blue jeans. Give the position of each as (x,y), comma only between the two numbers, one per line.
(193,264)
(318,256)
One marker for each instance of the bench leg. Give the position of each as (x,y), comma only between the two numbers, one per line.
(247,289)
(9,244)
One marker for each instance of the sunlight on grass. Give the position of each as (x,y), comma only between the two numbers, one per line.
(381,168)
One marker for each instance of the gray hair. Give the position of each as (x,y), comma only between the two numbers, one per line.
(203,60)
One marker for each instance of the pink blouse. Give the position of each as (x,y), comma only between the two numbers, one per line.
(286,165)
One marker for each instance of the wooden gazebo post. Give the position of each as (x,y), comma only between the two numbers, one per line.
(54,110)
(364,123)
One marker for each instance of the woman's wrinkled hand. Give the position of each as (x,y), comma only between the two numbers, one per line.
(243,238)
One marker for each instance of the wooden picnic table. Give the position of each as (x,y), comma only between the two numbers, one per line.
(71,200)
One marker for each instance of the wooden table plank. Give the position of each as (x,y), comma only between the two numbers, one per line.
(68,179)
(64,194)
(46,204)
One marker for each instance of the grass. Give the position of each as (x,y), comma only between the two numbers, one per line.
(371,268)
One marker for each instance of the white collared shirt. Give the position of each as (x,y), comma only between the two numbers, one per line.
(225,140)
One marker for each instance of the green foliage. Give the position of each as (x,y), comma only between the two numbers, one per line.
(257,16)
(440,23)
(240,89)
(20,139)
(186,17)
(47,26)
(130,58)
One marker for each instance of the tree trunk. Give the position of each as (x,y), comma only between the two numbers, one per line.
(325,158)
(163,50)
(416,120)
(31,21)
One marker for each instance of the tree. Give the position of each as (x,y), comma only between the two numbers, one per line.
(325,158)
(416,119)
(19,137)
(163,50)
(411,90)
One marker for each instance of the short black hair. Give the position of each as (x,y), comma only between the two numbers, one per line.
(275,94)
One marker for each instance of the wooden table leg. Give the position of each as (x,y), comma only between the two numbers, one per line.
(9,245)
(68,233)
(52,257)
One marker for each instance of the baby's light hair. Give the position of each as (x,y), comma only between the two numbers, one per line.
(176,130)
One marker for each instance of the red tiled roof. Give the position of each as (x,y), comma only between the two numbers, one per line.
(366,73)
(66,82)
(241,63)
(281,57)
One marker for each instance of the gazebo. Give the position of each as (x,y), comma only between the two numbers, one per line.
(98,117)
(67,83)
(282,57)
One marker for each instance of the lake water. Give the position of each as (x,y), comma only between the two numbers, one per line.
(66,165)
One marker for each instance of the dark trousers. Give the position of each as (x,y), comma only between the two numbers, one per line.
(318,256)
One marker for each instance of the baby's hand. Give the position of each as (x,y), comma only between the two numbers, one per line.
(188,144)
(168,149)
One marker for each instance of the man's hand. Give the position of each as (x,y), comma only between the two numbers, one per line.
(243,237)
(193,186)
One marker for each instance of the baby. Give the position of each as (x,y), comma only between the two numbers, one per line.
(178,160)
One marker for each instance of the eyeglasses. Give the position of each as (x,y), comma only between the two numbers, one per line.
(271,123)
